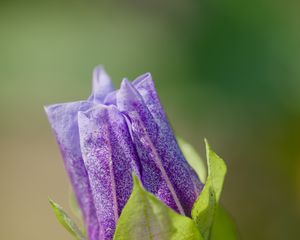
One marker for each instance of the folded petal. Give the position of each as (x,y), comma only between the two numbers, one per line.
(110,159)
(144,131)
(146,88)
(165,171)
(63,119)
(102,85)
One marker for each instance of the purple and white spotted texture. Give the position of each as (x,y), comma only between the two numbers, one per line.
(114,133)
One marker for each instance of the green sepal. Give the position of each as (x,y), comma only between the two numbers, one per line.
(216,170)
(146,217)
(66,221)
(204,209)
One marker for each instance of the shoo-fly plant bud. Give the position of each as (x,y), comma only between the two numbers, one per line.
(113,137)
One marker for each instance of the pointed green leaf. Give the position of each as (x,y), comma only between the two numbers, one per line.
(193,158)
(145,217)
(223,226)
(216,169)
(204,209)
(66,221)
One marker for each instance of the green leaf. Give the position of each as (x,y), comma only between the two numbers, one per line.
(66,221)
(145,217)
(193,158)
(223,226)
(204,209)
(216,169)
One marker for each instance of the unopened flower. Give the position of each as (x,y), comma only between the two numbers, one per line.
(113,134)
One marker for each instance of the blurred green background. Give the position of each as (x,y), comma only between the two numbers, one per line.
(226,70)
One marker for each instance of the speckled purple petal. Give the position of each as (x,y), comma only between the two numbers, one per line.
(110,158)
(144,131)
(146,87)
(102,85)
(157,146)
(63,119)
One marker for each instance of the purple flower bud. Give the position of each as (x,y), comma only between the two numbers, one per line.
(109,136)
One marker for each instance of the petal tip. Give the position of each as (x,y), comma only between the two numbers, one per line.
(102,84)
(127,87)
(145,77)
(98,71)
(49,109)
(46,108)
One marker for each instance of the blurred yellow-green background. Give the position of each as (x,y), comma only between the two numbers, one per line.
(228,70)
